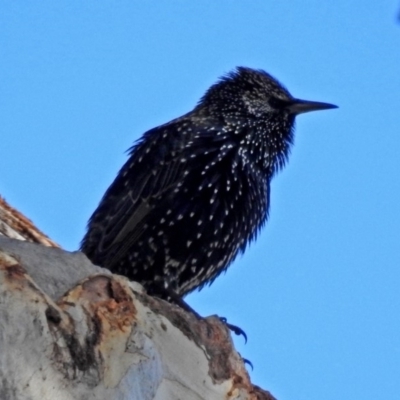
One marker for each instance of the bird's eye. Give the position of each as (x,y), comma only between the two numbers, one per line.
(276,103)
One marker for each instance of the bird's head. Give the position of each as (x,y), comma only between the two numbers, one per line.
(260,111)
(251,93)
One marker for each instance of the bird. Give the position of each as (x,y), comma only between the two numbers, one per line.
(195,192)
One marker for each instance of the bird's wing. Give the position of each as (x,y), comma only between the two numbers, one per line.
(154,167)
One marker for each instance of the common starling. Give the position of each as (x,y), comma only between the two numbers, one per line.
(195,191)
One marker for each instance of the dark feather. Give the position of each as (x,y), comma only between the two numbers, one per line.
(195,191)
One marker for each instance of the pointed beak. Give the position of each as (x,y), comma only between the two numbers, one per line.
(298,106)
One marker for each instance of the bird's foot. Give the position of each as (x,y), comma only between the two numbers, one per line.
(171,296)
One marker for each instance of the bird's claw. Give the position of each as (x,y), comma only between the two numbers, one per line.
(235,329)
(246,361)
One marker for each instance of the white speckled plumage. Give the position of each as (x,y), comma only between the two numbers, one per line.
(195,191)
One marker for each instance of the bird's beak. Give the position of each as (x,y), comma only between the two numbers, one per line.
(298,106)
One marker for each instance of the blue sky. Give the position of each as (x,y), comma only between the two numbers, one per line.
(318,293)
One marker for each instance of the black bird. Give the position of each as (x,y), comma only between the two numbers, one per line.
(195,191)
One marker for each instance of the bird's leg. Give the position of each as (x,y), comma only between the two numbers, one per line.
(178,300)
